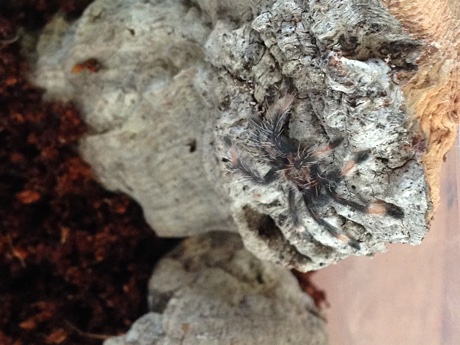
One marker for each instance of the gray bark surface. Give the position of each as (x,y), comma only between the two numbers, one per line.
(212,291)
(178,78)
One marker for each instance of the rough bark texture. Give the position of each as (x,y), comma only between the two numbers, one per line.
(432,93)
(148,120)
(211,290)
(178,78)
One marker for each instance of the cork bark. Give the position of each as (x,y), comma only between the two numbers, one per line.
(211,290)
(432,93)
(178,80)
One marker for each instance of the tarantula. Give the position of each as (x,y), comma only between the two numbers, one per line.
(301,168)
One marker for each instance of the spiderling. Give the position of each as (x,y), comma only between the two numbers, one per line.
(302,169)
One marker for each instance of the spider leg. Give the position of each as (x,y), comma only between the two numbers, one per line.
(307,157)
(360,157)
(382,207)
(346,202)
(277,115)
(237,164)
(377,207)
(269,135)
(293,211)
(329,227)
(328,148)
(332,178)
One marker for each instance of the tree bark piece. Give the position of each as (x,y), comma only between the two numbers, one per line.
(148,122)
(210,290)
(179,80)
(432,94)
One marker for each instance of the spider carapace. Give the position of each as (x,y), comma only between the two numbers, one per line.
(302,168)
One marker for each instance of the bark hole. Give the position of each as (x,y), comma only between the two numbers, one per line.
(262,224)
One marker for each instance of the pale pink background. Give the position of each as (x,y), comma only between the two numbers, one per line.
(408,295)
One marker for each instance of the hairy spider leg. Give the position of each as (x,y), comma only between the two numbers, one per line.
(270,141)
(334,177)
(277,113)
(343,201)
(329,227)
(269,136)
(268,178)
(328,148)
(349,167)
(307,157)
(384,208)
(378,207)
(293,211)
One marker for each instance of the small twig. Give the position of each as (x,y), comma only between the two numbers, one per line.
(9,40)
(16,254)
(88,335)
